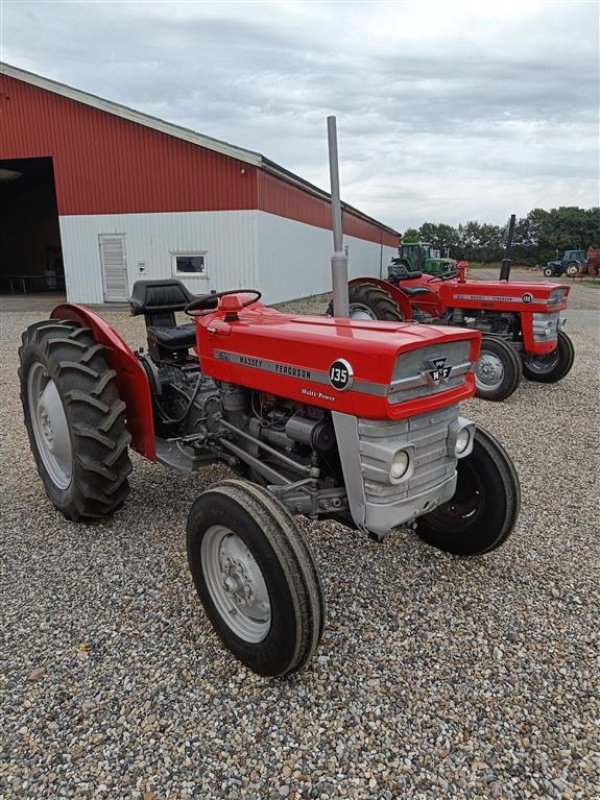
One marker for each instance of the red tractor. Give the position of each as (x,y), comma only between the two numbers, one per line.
(591,265)
(327,417)
(521,323)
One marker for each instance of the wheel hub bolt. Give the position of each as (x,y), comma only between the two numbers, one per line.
(46,425)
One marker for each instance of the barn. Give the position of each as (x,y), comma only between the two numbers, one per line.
(94,196)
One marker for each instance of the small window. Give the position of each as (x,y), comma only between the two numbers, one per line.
(189,263)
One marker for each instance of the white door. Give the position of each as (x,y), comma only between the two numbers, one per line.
(114,267)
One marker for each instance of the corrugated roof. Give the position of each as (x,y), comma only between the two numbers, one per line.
(177,131)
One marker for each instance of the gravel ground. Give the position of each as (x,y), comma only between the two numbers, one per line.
(436,677)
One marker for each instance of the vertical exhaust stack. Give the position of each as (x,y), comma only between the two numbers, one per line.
(339,259)
(506,261)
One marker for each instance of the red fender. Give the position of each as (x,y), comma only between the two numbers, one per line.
(132,381)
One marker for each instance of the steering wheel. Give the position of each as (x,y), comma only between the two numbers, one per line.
(208,303)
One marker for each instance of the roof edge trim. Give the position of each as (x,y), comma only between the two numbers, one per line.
(130,114)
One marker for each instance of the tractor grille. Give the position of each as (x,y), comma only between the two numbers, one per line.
(432,462)
(416,372)
(546,326)
(558,297)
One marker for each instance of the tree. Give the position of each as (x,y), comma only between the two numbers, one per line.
(410,235)
(537,238)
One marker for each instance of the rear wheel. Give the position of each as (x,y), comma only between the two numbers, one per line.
(485,506)
(75,419)
(551,367)
(498,371)
(370,302)
(255,577)
(572,269)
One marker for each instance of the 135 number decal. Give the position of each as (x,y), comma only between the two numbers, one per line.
(341,375)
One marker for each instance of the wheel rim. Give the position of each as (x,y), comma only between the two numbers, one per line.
(544,363)
(360,311)
(50,426)
(489,371)
(235,584)
(466,505)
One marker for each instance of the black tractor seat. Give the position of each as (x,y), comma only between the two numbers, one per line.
(181,337)
(158,301)
(163,296)
(399,272)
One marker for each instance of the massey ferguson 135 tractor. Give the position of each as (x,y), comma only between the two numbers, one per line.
(328,417)
(521,322)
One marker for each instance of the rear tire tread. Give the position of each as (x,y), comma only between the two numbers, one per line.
(95,416)
(376,299)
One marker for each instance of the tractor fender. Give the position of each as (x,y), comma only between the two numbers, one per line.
(131,379)
(396,294)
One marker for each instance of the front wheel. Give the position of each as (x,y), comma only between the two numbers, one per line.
(498,371)
(255,577)
(484,509)
(551,367)
(548,272)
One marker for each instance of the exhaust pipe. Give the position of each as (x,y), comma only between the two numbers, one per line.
(507,261)
(339,259)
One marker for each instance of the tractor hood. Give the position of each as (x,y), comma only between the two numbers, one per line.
(505,295)
(370,368)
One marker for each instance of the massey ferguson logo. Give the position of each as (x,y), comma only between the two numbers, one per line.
(436,372)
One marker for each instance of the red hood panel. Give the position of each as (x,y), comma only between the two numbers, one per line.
(292,356)
(502,296)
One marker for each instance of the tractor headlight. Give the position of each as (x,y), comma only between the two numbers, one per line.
(400,465)
(462,441)
(461,435)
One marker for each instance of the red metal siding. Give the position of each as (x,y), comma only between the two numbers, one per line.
(104,164)
(278,197)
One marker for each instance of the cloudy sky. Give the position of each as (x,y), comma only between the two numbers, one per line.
(446,111)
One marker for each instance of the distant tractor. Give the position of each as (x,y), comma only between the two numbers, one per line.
(568,265)
(521,322)
(422,257)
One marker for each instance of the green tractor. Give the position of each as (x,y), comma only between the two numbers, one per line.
(422,257)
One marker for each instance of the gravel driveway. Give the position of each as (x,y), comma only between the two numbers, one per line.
(436,677)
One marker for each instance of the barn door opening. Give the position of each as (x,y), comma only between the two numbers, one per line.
(30,248)
(114,267)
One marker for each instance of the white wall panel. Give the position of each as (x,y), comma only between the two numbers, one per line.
(295,258)
(228,237)
(283,258)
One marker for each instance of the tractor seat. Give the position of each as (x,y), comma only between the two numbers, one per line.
(159,301)
(159,296)
(399,272)
(179,338)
